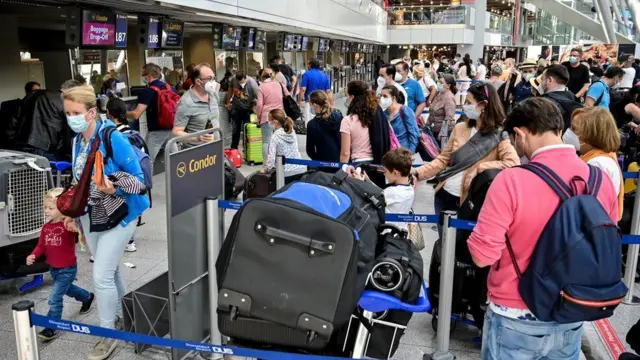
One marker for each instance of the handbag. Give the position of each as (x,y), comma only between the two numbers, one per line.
(428,142)
(290,106)
(73,200)
(394,143)
(416,237)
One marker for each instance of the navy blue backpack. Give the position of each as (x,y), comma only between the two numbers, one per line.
(574,274)
(139,147)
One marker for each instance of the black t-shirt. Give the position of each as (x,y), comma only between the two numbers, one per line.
(149,97)
(578,76)
(287,71)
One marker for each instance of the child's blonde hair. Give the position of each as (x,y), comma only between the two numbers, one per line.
(52,195)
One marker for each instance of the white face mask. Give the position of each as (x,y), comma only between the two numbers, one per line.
(385,102)
(210,87)
(398,77)
(471,111)
(381,82)
(528,76)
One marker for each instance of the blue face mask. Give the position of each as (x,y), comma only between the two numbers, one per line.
(573,59)
(346,102)
(144,81)
(77,123)
(471,111)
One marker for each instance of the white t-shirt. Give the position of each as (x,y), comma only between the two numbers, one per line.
(426,82)
(399,199)
(453,185)
(610,167)
(482,72)
(627,79)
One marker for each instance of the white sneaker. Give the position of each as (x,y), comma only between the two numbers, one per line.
(131,247)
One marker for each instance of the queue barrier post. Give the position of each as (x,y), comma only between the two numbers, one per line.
(213,248)
(632,256)
(279,172)
(448,244)
(26,341)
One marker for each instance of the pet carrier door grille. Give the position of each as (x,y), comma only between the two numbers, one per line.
(25,194)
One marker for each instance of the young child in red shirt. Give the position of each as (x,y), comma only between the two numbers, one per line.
(58,244)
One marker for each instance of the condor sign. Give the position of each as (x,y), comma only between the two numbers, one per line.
(196,173)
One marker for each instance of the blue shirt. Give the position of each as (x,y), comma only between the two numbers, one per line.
(405,127)
(314,80)
(415,95)
(597,90)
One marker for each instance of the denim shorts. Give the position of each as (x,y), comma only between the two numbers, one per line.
(504,338)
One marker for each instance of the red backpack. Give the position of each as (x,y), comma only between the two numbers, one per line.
(167,105)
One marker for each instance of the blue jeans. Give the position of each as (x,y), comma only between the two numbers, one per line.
(63,279)
(510,339)
(107,248)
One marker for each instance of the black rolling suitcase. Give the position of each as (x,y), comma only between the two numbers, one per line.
(259,185)
(234,181)
(291,283)
(469,281)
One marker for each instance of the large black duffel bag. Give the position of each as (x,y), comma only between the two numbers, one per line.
(288,268)
(366,196)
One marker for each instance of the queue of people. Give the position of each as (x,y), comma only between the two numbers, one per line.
(545,118)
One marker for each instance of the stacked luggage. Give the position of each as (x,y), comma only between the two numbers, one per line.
(295,285)
(469,281)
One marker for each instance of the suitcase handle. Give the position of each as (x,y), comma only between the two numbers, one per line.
(273,233)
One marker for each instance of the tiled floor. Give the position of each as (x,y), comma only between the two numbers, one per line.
(151,260)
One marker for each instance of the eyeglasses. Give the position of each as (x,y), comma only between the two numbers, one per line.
(206,79)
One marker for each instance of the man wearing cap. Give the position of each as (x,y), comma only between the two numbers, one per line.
(517,87)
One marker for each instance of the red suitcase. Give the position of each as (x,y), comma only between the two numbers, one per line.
(235,156)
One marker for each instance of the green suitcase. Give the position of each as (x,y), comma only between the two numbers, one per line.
(252,144)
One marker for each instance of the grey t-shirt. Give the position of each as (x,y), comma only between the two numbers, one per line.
(192,113)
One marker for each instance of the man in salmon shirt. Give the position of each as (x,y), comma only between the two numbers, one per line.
(519,204)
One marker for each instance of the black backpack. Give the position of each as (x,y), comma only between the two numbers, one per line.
(395,252)
(566,107)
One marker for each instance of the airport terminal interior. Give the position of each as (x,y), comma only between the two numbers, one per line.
(105,44)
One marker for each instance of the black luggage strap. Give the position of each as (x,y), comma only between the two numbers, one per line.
(312,244)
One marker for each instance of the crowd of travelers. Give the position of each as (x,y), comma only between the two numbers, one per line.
(569,122)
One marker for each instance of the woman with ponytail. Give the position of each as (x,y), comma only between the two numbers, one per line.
(283,143)
(323,131)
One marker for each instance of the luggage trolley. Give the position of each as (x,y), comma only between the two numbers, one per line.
(376,302)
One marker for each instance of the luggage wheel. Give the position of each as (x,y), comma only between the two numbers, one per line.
(434,323)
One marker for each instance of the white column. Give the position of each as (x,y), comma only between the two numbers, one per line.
(476,49)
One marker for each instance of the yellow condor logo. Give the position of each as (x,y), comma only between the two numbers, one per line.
(101,18)
(195,165)
(173,26)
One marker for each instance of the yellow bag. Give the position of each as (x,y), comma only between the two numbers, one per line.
(631,184)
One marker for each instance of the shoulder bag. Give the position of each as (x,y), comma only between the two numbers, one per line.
(73,201)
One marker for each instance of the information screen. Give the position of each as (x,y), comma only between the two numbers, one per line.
(324,45)
(121,30)
(251,44)
(172,33)
(153,41)
(231,37)
(305,43)
(261,40)
(98,28)
(336,45)
(345,46)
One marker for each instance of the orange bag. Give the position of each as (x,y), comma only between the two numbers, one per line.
(98,171)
